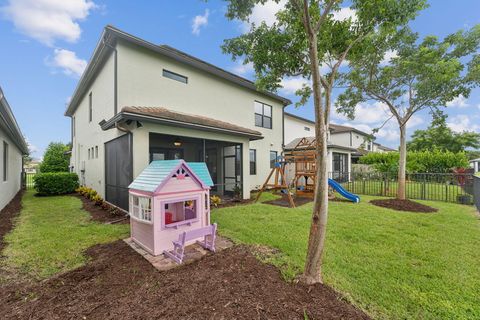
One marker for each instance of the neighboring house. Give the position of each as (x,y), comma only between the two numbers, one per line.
(137,102)
(12,148)
(345,144)
(475,164)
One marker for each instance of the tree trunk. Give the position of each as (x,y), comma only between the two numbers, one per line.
(313,264)
(402,164)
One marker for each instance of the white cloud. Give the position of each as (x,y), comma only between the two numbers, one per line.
(242,69)
(369,116)
(199,22)
(459,102)
(389,55)
(291,84)
(48,20)
(69,62)
(462,122)
(264,13)
(344,14)
(33,149)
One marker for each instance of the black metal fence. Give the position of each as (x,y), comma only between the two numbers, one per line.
(28,180)
(447,187)
(476,191)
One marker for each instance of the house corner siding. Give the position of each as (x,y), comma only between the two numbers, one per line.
(10,187)
(88,134)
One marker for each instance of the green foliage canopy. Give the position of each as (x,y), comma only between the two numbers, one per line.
(55,158)
(435,161)
(439,136)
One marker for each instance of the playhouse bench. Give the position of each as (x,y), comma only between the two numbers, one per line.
(208,234)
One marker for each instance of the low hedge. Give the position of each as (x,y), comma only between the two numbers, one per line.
(53,183)
(417,161)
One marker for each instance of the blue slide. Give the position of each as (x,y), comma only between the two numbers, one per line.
(344,193)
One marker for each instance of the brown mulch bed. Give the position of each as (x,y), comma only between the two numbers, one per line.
(283,201)
(403,205)
(117,283)
(101,215)
(11,210)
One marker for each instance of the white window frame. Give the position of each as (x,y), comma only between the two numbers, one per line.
(143,211)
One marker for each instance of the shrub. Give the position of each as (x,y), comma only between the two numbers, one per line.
(215,201)
(55,158)
(53,183)
(422,161)
(97,199)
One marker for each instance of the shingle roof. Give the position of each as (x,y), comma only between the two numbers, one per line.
(293,145)
(158,171)
(166,114)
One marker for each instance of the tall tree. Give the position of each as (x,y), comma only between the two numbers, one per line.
(55,158)
(424,74)
(439,136)
(305,37)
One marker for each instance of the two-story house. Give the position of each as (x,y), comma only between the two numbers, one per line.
(12,148)
(345,144)
(138,101)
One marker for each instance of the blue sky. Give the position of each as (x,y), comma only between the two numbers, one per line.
(46,44)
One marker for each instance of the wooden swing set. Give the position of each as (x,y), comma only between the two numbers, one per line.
(279,183)
(303,156)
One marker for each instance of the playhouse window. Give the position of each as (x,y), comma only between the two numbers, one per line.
(141,208)
(182,212)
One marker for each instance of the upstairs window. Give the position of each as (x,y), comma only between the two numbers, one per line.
(306,128)
(263,115)
(5,161)
(96,152)
(175,76)
(90,107)
(141,208)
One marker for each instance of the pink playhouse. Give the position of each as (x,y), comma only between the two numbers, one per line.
(170,207)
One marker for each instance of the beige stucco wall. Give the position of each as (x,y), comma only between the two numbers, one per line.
(89,134)
(295,128)
(141,84)
(343,139)
(9,188)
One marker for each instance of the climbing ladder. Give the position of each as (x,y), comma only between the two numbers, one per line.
(279,183)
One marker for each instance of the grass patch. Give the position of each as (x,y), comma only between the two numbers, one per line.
(51,235)
(394,265)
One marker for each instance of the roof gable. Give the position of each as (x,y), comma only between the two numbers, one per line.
(157,173)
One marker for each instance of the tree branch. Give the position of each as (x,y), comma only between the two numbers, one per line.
(324,15)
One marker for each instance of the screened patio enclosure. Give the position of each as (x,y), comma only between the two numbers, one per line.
(223,159)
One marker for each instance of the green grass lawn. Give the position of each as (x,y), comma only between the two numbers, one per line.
(415,190)
(51,235)
(394,265)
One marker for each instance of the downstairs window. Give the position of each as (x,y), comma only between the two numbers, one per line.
(141,208)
